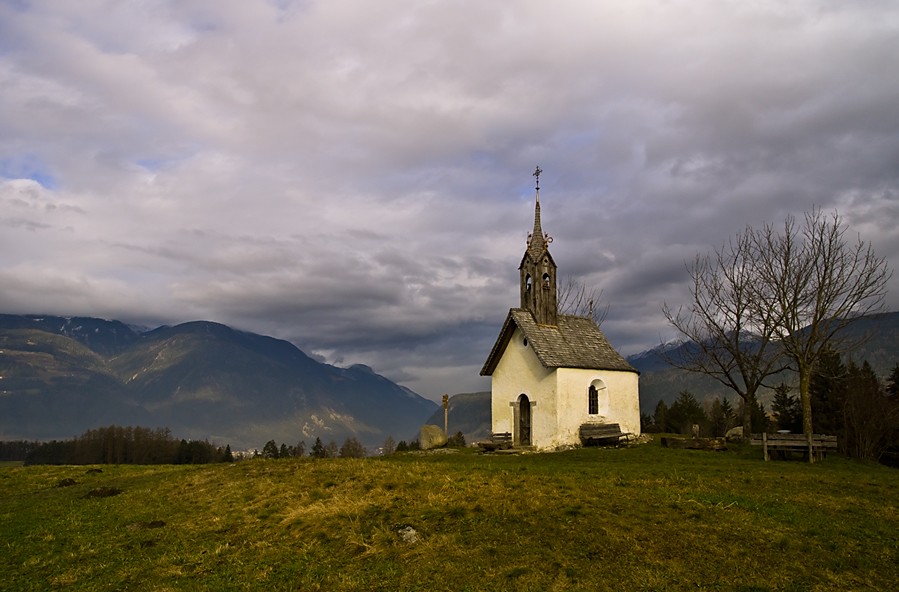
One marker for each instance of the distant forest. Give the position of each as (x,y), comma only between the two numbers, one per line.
(117,445)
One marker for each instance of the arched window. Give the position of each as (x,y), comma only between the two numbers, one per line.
(597,398)
(527,283)
(546,279)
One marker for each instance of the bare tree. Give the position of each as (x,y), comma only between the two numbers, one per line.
(574,298)
(768,299)
(729,337)
(817,284)
(330,450)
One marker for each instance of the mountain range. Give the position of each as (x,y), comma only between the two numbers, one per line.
(61,376)
(660,381)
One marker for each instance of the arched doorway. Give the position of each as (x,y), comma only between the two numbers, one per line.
(524,421)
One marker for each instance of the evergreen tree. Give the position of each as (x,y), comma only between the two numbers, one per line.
(660,416)
(228,457)
(787,409)
(270,450)
(456,441)
(758,417)
(318,449)
(284,452)
(402,446)
(184,457)
(893,382)
(870,417)
(719,422)
(415,444)
(684,413)
(728,410)
(827,390)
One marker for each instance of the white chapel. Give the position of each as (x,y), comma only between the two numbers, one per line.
(553,373)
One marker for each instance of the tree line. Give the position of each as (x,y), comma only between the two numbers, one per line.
(714,419)
(351,448)
(118,445)
(138,445)
(16,450)
(851,402)
(771,301)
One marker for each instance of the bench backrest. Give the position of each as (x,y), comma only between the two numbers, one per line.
(593,430)
(797,439)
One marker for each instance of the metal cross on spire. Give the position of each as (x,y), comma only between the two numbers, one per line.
(537,174)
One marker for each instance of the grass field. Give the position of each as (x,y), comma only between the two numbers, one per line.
(643,518)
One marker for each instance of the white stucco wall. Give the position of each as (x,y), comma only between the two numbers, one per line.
(559,397)
(520,372)
(619,401)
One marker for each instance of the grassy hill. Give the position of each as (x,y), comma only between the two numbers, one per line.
(641,518)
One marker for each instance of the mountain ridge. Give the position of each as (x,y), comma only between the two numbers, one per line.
(201,379)
(660,381)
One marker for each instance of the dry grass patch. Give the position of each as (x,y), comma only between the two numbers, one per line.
(645,518)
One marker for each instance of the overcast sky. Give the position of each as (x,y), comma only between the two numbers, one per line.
(355,176)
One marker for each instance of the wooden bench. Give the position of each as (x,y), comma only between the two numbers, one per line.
(816,445)
(497,441)
(601,433)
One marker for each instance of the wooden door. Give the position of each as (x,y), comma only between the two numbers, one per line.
(524,421)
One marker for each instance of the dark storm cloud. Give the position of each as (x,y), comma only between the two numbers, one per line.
(355,176)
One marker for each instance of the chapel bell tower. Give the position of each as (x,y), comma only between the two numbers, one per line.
(538,273)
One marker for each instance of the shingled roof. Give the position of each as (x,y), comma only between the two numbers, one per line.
(575,343)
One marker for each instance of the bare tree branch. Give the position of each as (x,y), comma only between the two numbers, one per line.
(574,298)
(729,337)
(818,285)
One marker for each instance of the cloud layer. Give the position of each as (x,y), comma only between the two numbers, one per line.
(356,176)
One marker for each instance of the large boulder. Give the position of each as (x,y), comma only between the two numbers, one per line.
(432,437)
(734,434)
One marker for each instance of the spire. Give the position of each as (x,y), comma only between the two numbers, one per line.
(538,273)
(537,240)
